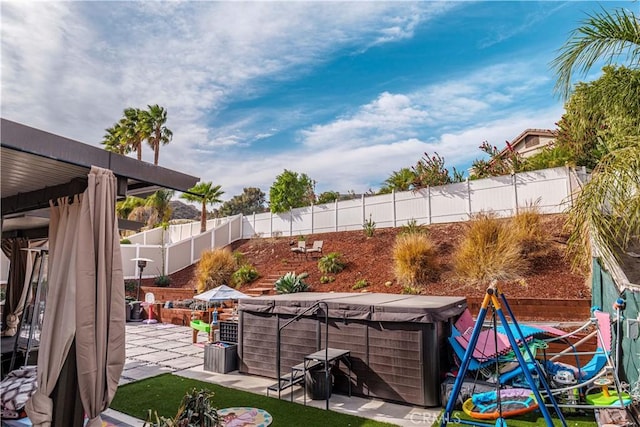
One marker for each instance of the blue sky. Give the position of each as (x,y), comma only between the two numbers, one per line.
(344,92)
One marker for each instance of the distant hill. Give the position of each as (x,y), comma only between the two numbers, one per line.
(182,210)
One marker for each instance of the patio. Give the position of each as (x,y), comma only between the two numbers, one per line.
(163,348)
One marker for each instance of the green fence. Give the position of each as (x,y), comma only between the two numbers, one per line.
(605,292)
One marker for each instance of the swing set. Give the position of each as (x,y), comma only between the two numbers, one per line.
(534,390)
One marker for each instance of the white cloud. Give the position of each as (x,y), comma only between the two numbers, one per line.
(344,167)
(390,116)
(529,22)
(451,117)
(72,67)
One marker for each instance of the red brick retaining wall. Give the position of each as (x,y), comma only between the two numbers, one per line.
(565,310)
(168,294)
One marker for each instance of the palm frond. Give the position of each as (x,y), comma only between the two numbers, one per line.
(605,35)
(607,211)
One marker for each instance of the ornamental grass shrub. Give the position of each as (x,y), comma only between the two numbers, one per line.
(214,269)
(414,259)
(527,229)
(489,251)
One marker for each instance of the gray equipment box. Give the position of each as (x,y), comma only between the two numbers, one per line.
(220,359)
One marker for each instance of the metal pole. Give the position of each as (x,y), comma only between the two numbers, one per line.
(466,360)
(326,353)
(139,282)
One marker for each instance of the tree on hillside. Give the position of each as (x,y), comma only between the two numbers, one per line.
(600,114)
(499,163)
(328,197)
(251,200)
(605,35)
(289,191)
(207,194)
(401,180)
(154,120)
(431,171)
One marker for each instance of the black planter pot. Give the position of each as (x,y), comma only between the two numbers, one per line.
(136,311)
(127,311)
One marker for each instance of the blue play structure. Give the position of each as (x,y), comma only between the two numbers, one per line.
(514,334)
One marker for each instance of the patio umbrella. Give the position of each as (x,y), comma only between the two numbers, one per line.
(221,293)
(84,301)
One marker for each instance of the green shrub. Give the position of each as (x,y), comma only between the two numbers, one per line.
(412,227)
(238,257)
(360,284)
(245,274)
(162,281)
(414,259)
(331,263)
(130,285)
(489,251)
(290,283)
(411,290)
(327,279)
(214,269)
(125,241)
(369,227)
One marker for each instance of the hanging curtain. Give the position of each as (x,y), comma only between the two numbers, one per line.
(58,327)
(85,301)
(100,333)
(16,289)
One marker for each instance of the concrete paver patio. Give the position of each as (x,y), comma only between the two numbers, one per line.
(160,348)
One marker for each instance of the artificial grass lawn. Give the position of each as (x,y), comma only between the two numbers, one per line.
(165,392)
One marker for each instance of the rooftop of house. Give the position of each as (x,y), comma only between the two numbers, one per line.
(526,134)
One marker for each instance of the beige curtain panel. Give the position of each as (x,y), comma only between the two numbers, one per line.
(100,317)
(84,301)
(16,286)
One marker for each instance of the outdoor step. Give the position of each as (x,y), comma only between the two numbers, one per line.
(259,291)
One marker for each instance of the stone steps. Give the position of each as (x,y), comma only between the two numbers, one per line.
(265,285)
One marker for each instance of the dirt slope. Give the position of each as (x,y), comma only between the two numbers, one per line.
(370,259)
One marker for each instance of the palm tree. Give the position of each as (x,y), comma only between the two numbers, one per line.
(126,206)
(158,134)
(208,195)
(134,130)
(113,141)
(160,202)
(401,180)
(607,210)
(602,36)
